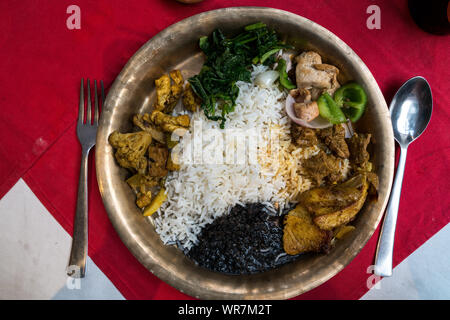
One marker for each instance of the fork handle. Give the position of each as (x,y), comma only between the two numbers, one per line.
(385,248)
(78,255)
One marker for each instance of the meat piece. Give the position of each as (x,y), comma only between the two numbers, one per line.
(334,138)
(158,158)
(303,137)
(306,111)
(303,107)
(324,166)
(334,86)
(316,93)
(327,68)
(349,197)
(300,95)
(330,198)
(312,73)
(306,75)
(357,145)
(301,235)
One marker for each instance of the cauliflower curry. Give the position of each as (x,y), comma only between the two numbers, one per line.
(146,153)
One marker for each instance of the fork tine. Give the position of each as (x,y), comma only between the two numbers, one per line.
(81,105)
(95,103)
(103,92)
(89,106)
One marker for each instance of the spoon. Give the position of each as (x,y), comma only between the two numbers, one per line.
(410,113)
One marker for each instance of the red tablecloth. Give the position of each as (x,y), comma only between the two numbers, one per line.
(42,63)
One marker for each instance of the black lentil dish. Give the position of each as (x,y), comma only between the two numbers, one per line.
(246,241)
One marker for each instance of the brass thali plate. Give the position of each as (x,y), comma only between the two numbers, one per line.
(133,92)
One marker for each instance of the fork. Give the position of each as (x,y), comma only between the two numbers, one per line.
(86,132)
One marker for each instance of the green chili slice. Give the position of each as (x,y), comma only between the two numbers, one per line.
(329,110)
(354,114)
(284,79)
(350,95)
(353,99)
(266,55)
(255,26)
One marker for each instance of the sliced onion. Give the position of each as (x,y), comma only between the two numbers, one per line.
(317,123)
(286,55)
(267,78)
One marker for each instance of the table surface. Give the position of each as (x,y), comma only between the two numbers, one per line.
(37,250)
(43,61)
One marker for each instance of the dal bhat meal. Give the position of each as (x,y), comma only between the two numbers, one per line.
(229,176)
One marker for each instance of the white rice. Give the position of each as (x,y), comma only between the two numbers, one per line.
(199,192)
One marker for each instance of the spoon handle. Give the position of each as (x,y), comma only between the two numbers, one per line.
(385,249)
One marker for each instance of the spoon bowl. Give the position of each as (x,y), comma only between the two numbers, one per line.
(411,110)
(410,114)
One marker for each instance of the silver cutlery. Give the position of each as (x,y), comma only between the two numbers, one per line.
(410,111)
(86,132)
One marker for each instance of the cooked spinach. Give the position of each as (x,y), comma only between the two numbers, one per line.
(229,60)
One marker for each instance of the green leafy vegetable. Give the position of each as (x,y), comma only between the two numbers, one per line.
(228,60)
